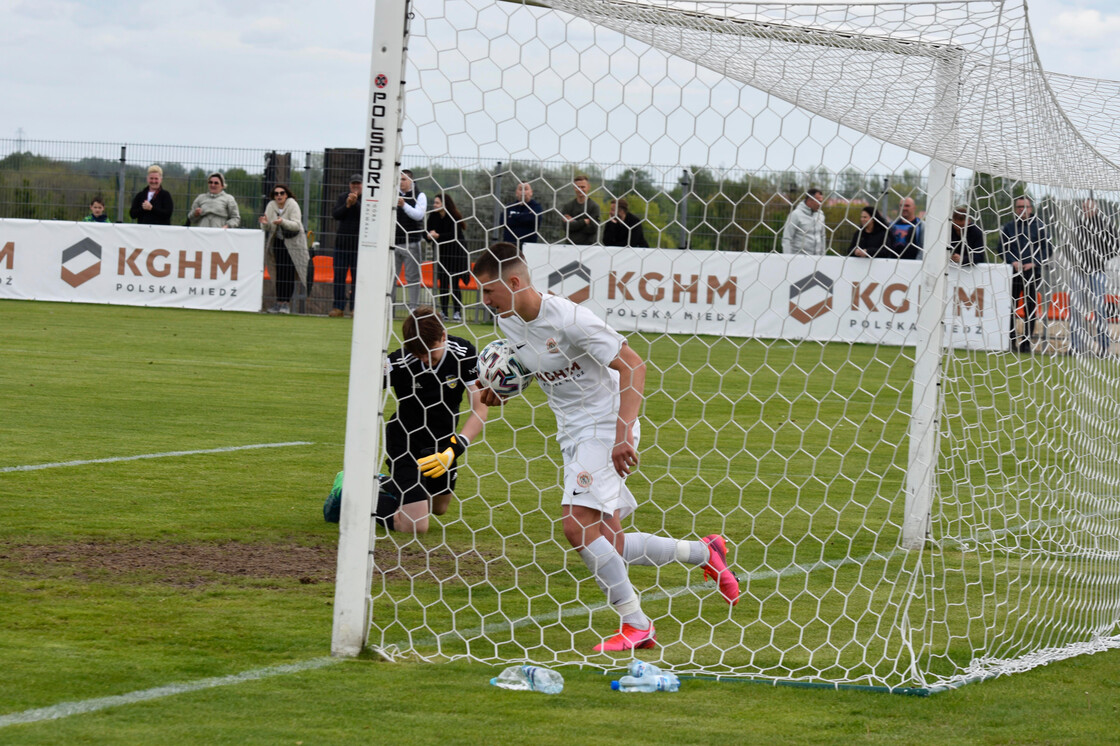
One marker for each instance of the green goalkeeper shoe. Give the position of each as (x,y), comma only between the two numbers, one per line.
(332,508)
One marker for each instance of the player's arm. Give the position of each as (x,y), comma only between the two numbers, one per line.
(437,464)
(631,384)
(472,428)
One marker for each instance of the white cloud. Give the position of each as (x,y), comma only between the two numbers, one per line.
(1080,42)
(1077,38)
(1074,27)
(156,72)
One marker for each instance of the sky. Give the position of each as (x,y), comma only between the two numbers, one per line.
(295,74)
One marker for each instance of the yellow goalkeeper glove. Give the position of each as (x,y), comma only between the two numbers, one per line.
(437,464)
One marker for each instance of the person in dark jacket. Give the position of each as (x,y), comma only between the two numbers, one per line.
(870,240)
(966,240)
(348,212)
(581,214)
(906,235)
(624,228)
(445,231)
(523,217)
(152,205)
(1025,246)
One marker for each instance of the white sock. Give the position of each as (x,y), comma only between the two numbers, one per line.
(647,549)
(609,570)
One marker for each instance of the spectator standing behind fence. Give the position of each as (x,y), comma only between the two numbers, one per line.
(966,239)
(217,208)
(906,235)
(285,240)
(445,231)
(411,206)
(1025,246)
(581,214)
(805,231)
(624,228)
(152,205)
(1095,242)
(870,241)
(348,212)
(523,217)
(96,212)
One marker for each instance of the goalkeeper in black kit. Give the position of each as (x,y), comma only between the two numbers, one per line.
(430,375)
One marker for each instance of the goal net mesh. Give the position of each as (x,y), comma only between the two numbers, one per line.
(780,386)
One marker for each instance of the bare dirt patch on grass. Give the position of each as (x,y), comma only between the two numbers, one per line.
(192,564)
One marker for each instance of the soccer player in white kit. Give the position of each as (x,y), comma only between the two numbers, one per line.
(595,383)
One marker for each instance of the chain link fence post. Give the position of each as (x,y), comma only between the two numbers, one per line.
(120,185)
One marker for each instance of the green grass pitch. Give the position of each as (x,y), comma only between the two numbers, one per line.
(124,576)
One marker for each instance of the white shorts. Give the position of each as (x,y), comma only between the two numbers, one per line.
(590,479)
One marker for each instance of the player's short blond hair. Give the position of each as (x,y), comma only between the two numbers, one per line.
(154,169)
(497,261)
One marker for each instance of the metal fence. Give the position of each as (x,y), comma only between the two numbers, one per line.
(727,209)
(682,207)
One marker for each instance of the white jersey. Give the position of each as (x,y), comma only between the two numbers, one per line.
(568,348)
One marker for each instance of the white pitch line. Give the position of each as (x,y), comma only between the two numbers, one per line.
(66,709)
(168,454)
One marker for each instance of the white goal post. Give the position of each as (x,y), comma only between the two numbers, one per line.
(373,281)
(917,471)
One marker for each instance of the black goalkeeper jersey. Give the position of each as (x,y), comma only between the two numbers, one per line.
(428,399)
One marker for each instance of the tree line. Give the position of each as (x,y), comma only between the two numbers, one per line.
(701,209)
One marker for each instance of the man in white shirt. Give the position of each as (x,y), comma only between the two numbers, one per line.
(594,382)
(411,208)
(805,232)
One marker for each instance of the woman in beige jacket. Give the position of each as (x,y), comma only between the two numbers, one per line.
(217,208)
(285,246)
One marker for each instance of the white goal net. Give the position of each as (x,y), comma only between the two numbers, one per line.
(897,397)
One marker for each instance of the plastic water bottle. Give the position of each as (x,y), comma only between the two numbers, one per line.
(638,669)
(525,678)
(665,682)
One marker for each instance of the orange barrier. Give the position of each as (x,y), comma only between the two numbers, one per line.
(324,269)
(1058,309)
(1059,306)
(324,272)
(426,277)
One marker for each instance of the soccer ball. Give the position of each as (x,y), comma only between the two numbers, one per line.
(501,371)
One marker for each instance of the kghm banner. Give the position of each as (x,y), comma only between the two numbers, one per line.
(134,265)
(774,296)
